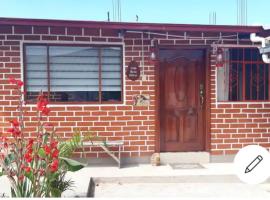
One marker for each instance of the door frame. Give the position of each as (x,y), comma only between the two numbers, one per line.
(207,83)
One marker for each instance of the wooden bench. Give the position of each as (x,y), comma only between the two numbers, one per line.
(105,144)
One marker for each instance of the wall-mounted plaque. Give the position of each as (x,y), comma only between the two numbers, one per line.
(141,100)
(133,71)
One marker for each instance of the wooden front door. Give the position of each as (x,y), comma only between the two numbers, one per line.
(182,100)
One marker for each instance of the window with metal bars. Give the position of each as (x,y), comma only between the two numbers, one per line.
(69,73)
(244,77)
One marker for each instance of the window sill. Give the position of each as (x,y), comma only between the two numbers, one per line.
(243,102)
(55,104)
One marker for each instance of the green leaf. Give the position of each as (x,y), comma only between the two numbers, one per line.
(29,175)
(45,138)
(73,165)
(53,177)
(66,148)
(56,192)
(1,172)
(41,153)
(13,193)
(9,159)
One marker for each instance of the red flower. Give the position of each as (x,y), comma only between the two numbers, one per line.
(28,157)
(15,122)
(21,177)
(27,169)
(12,81)
(47,124)
(11,130)
(19,83)
(54,144)
(30,142)
(55,153)
(30,150)
(54,166)
(45,111)
(42,105)
(47,149)
(42,102)
(14,131)
(42,172)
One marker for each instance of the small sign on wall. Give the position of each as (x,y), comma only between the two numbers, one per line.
(141,100)
(133,71)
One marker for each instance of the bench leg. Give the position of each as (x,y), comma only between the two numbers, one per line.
(119,156)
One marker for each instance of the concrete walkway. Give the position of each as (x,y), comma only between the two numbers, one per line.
(218,182)
(223,183)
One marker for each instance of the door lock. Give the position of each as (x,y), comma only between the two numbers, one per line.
(201,95)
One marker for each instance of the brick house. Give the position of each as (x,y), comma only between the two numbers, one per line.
(196,102)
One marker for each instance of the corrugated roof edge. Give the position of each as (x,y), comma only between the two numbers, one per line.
(131,25)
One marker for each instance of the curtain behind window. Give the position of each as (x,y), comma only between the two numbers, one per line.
(223,79)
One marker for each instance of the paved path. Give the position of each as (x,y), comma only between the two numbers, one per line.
(225,186)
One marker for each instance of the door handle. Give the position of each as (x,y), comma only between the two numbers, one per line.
(201,93)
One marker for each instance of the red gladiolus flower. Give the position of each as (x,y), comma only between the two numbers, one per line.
(27,169)
(45,111)
(54,144)
(30,144)
(42,172)
(31,141)
(28,157)
(14,131)
(47,149)
(19,83)
(54,166)
(42,105)
(30,150)
(22,166)
(15,122)
(55,153)
(48,124)
(21,177)
(42,102)
(12,80)
(10,130)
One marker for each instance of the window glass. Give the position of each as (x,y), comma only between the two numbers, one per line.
(248,82)
(248,54)
(247,78)
(74,73)
(111,74)
(36,71)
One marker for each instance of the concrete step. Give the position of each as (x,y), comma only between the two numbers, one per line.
(184,157)
(182,187)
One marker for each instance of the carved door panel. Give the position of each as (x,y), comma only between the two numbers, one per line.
(182,104)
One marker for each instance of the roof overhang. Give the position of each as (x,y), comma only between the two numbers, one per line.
(132,26)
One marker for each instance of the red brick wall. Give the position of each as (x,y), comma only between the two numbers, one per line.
(232,125)
(237,124)
(133,124)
